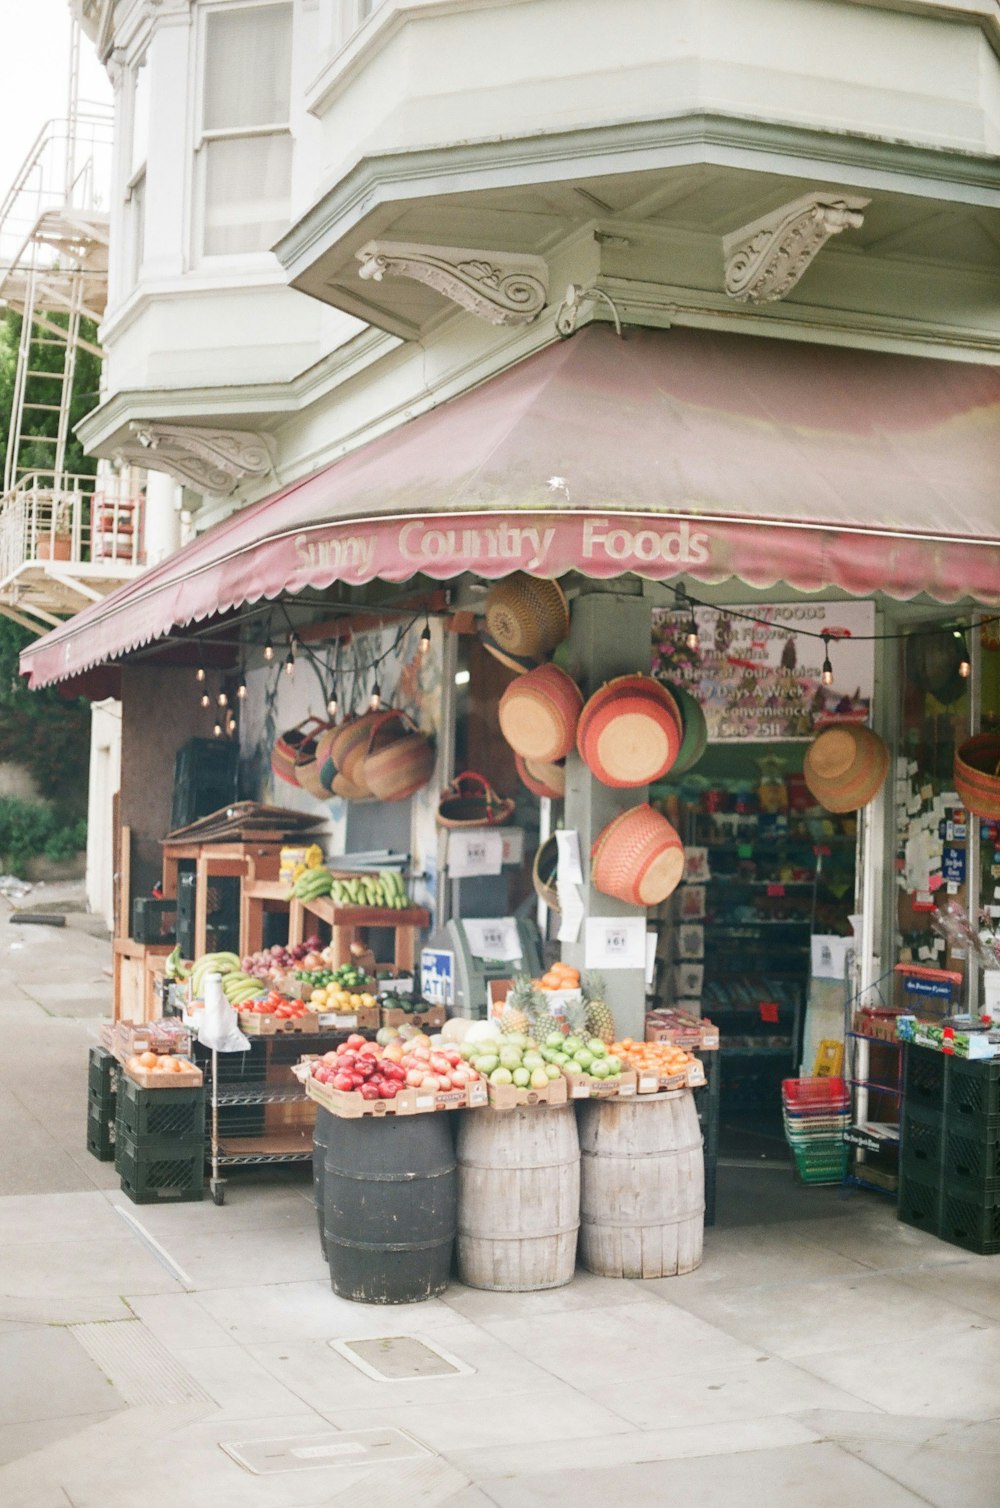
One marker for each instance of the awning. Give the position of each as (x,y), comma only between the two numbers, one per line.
(664,453)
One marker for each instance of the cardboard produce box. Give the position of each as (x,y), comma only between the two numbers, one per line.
(583,1086)
(509,1097)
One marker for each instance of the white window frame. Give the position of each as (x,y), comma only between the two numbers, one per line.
(205,135)
(134,190)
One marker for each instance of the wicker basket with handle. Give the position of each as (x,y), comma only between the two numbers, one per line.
(400,759)
(288,746)
(470,801)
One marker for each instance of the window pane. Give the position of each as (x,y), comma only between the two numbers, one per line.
(248,66)
(140,119)
(137,214)
(246,193)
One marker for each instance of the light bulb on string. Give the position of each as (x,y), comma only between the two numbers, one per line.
(964,664)
(241,690)
(269,651)
(217,729)
(290,665)
(199,674)
(826,675)
(375,700)
(425,637)
(230,725)
(331,702)
(691,638)
(206,700)
(223,699)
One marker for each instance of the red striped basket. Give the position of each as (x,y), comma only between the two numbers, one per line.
(288,746)
(400,759)
(638,857)
(630,731)
(538,713)
(845,766)
(543,778)
(977,774)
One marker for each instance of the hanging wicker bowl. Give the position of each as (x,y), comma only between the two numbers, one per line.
(977,774)
(630,731)
(845,766)
(543,873)
(695,739)
(538,714)
(542,779)
(638,858)
(525,617)
(400,759)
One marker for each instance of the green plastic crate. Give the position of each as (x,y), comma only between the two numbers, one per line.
(163,1175)
(103,1071)
(971,1223)
(178,1114)
(919,1202)
(100,1130)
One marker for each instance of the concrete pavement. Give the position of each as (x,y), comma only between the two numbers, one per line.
(181,1356)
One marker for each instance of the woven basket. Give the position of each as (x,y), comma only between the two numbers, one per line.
(470,801)
(695,740)
(400,759)
(325,765)
(517,663)
(308,770)
(845,766)
(543,873)
(977,774)
(638,858)
(288,746)
(526,617)
(538,714)
(630,731)
(542,779)
(352,749)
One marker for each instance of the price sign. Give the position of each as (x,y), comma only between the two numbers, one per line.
(615,942)
(476,851)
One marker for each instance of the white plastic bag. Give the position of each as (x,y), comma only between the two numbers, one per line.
(219,1029)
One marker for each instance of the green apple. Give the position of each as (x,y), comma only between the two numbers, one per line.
(599,1068)
(597,1047)
(583,1060)
(486,1064)
(614,1065)
(552,1071)
(572,1045)
(510,1057)
(522,1078)
(501,1076)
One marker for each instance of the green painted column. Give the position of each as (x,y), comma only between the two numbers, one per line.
(610,636)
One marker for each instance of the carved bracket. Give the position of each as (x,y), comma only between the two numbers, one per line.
(765,260)
(501,289)
(207,460)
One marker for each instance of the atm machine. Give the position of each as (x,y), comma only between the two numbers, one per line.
(455,972)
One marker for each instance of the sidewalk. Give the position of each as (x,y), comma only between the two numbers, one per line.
(821,1354)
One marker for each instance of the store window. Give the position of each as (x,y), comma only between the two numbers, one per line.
(135,186)
(245,144)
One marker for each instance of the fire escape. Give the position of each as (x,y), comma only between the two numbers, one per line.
(65,539)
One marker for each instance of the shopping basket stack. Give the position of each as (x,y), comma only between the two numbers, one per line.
(816,1115)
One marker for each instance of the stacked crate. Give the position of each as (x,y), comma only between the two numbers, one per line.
(160,1143)
(102,1083)
(950,1159)
(816,1111)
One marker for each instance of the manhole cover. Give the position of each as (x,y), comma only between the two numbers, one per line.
(400,1358)
(362,1447)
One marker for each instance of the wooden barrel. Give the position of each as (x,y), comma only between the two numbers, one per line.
(518,1198)
(642,1186)
(321,1141)
(389,1198)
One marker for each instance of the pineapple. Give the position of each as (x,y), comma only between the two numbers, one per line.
(599,1022)
(520,1008)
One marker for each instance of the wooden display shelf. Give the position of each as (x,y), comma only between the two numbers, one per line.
(135,966)
(346,922)
(254,860)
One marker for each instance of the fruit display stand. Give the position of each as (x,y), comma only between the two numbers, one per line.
(348,923)
(135,967)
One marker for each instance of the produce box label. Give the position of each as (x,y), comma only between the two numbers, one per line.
(508,1096)
(583,1086)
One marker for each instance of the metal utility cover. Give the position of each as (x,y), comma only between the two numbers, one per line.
(356,1448)
(400,1358)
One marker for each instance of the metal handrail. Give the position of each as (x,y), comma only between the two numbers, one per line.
(60,517)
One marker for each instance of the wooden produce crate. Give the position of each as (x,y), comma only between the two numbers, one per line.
(583,1086)
(430,1020)
(254,1025)
(351,1105)
(152,1078)
(656,1083)
(509,1097)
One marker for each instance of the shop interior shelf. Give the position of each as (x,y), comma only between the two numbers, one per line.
(260,1095)
(755,1050)
(366,916)
(290,1146)
(874,1084)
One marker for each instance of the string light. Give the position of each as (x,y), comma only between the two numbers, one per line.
(331,702)
(200,673)
(827,674)
(206,700)
(241,690)
(269,650)
(290,665)
(223,699)
(375,700)
(964,665)
(691,638)
(217,730)
(230,725)
(425,637)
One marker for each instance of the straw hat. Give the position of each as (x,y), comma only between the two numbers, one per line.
(525,618)
(541,778)
(538,713)
(630,731)
(977,774)
(695,740)
(638,857)
(845,766)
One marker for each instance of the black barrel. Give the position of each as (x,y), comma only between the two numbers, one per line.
(391,1207)
(321,1140)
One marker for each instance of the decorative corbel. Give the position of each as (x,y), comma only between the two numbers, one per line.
(207,460)
(765,260)
(501,289)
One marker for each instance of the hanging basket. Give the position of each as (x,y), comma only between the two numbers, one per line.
(977,774)
(695,739)
(638,858)
(542,778)
(400,759)
(630,731)
(470,801)
(288,746)
(325,766)
(525,617)
(538,714)
(845,766)
(308,770)
(543,873)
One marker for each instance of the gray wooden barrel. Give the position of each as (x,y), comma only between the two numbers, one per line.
(321,1140)
(389,1207)
(518,1197)
(642,1191)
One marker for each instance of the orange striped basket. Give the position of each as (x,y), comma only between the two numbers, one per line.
(538,714)
(288,746)
(638,858)
(400,759)
(695,740)
(630,731)
(845,766)
(308,770)
(977,774)
(541,778)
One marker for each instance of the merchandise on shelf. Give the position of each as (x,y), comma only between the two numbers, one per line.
(404,1078)
(660,1065)
(982,1044)
(162,1071)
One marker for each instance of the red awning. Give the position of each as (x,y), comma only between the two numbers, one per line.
(669,452)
